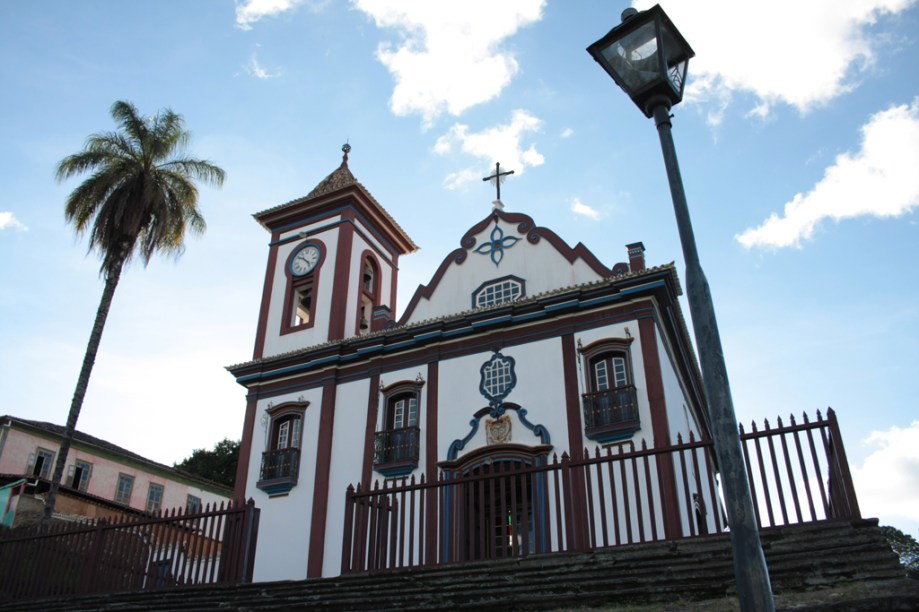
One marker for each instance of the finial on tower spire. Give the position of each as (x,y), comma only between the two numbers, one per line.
(346,148)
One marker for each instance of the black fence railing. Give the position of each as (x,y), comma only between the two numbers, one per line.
(611,414)
(283,463)
(396,449)
(621,495)
(215,545)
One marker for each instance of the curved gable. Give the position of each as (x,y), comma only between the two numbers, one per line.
(502,245)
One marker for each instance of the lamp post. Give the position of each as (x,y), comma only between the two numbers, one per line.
(647,57)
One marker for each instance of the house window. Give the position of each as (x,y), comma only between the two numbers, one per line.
(369,293)
(368,276)
(41,462)
(303,304)
(192,504)
(124,489)
(79,475)
(500,291)
(611,403)
(302,271)
(397,444)
(404,411)
(281,459)
(154,498)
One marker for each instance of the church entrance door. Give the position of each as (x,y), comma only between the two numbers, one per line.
(500,510)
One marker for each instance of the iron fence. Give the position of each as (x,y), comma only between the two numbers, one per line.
(215,545)
(622,494)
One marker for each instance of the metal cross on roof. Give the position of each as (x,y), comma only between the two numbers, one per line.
(496,179)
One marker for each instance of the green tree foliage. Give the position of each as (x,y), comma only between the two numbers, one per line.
(140,198)
(218,464)
(906,547)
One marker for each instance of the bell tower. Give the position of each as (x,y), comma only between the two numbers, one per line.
(333,266)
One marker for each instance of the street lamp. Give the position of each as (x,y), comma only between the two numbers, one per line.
(647,57)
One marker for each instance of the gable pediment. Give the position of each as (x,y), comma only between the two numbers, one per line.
(505,254)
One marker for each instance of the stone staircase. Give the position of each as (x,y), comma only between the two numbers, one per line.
(800,558)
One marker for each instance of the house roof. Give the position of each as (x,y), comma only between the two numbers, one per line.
(88,440)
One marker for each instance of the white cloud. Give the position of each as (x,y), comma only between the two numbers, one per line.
(501,143)
(254,68)
(580,208)
(448,58)
(9,221)
(880,180)
(251,11)
(567,133)
(799,53)
(887,483)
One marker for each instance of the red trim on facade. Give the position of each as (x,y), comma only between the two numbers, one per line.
(525,225)
(341,282)
(259,349)
(430,458)
(660,426)
(575,436)
(393,285)
(321,482)
(245,450)
(373,407)
(450,349)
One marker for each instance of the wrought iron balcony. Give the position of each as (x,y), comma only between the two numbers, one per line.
(280,469)
(611,415)
(396,451)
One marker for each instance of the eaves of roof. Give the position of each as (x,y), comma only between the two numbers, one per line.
(339,180)
(472,316)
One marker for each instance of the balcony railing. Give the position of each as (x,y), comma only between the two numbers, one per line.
(395,451)
(611,415)
(280,469)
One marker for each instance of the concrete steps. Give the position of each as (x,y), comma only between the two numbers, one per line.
(800,558)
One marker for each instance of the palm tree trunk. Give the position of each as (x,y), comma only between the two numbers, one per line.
(89,359)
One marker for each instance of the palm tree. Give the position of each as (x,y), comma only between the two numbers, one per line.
(140,199)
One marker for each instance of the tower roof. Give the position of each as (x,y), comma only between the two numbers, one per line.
(326,192)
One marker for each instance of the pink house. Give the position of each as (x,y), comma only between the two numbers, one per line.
(101,479)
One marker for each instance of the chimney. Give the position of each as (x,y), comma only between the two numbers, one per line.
(636,256)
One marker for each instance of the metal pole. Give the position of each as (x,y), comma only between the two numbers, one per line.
(753,587)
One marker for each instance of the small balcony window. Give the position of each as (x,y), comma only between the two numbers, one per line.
(280,468)
(611,403)
(396,447)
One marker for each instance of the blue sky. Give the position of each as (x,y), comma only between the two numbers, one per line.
(798,142)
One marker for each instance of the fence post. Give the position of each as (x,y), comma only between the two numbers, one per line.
(840,467)
(251,519)
(349,527)
(90,572)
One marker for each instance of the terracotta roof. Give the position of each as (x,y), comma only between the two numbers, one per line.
(79,436)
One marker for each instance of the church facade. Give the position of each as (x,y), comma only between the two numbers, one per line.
(519,350)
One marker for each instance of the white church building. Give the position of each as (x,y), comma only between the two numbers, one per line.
(461,425)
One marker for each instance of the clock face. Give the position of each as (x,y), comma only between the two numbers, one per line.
(305,260)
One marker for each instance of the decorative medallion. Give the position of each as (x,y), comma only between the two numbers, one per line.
(498,380)
(495,247)
(498,431)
